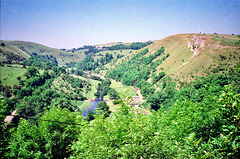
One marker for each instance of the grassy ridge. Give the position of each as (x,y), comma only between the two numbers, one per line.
(183,65)
(191,55)
(25,49)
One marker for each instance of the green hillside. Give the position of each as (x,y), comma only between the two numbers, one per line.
(191,55)
(25,49)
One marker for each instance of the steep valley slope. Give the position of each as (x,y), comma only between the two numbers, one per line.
(191,55)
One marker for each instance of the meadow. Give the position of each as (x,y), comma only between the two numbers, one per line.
(8,75)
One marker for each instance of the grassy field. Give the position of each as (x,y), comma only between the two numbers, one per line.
(80,104)
(8,75)
(123,90)
(83,105)
(94,83)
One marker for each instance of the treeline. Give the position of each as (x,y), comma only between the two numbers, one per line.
(11,58)
(134,46)
(91,49)
(41,61)
(94,49)
(105,89)
(90,64)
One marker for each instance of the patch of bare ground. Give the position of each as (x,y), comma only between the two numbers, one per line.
(197,43)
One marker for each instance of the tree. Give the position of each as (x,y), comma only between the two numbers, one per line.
(113,94)
(103,108)
(31,71)
(90,115)
(79,72)
(55,132)
(2,44)
(9,59)
(72,70)
(5,134)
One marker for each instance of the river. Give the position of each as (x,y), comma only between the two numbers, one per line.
(92,106)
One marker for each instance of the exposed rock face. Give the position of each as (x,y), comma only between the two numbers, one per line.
(198,43)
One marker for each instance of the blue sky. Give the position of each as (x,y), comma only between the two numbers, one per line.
(74,23)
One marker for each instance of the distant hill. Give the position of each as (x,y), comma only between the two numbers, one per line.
(191,55)
(25,49)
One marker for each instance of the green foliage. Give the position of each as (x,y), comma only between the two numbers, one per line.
(113,94)
(96,78)
(133,71)
(90,115)
(208,129)
(91,49)
(5,134)
(134,46)
(56,130)
(158,77)
(26,142)
(162,98)
(117,102)
(90,64)
(104,87)
(106,59)
(41,61)
(200,120)
(31,71)
(79,72)
(136,71)
(11,58)
(87,64)
(103,108)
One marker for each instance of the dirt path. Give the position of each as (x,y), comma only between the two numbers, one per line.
(139,94)
(82,104)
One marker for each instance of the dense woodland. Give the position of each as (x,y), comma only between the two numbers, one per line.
(94,49)
(198,119)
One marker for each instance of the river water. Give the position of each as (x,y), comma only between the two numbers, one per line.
(92,106)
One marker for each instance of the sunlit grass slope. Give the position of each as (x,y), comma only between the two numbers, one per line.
(191,55)
(25,49)
(8,75)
